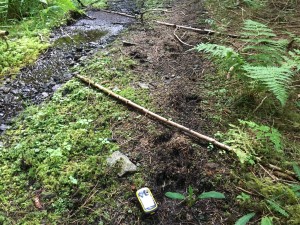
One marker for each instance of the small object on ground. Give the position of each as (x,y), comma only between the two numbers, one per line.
(143,85)
(127,43)
(126,166)
(147,200)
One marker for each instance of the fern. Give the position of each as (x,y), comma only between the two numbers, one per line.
(297,170)
(276,79)
(277,208)
(222,54)
(241,144)
(262,48)
(254,29)
(263,59)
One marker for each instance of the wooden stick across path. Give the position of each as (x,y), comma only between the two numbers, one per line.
(152,114)
(198,30)
(284,173)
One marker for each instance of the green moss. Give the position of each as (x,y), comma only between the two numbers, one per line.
(60,148)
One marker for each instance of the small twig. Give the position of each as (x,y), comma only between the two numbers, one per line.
(271,175)
(154,115)
(118,13)
(260,104)
(284,175)
(181,41)
(128,43)
(271,166)
(198,30)
(243,190)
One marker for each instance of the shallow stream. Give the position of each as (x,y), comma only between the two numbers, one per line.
(71,45)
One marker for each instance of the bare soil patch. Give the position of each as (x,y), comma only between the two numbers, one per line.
(170,160)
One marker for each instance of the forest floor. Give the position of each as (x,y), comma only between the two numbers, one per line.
(149,65)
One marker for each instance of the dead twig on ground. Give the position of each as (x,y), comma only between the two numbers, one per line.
(198,30)
(174,124)
(181,41)
(153,115)
(118,13)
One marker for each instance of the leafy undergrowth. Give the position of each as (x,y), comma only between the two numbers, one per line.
(53,160)
(261,132)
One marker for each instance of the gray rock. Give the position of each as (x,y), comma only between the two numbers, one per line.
(55,87)
(126,166)
(4,127)
(143,85)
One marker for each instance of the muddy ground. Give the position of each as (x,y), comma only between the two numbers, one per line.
(171,160)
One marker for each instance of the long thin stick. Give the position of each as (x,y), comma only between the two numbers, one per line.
(198,30)
(152,114)
(168,122)
(118,13)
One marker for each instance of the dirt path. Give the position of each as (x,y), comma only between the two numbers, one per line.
(171,161)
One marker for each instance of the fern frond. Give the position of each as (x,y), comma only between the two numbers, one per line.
(255,29)
(276,79)
(293,61)
(225,55)
(217,51)
(277,208)
(297,170)
(264,50)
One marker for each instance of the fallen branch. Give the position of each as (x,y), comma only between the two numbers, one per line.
(153,115)
(118,13)
(181,41)
(198,30)
(283,173)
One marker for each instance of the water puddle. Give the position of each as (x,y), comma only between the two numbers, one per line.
(71,45)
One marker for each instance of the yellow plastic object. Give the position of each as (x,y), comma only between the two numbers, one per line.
(147,200)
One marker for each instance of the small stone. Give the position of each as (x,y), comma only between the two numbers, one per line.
(127,165)
(45,95)
(5,89)
(55,87)
(143,85)
(4,127)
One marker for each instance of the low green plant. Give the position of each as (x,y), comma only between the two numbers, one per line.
(243,197)
(95,4)
(263,59)
(249,140)
(60,148)
(244,219)
(191,198)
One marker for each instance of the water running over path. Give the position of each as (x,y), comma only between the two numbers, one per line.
(71,45)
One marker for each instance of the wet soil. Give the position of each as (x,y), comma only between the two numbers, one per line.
(70,46)
(169,159)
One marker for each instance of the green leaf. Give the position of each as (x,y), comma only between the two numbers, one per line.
(296,170)
(44,1)
(244,219)
(73,180)
(278,208)
(175,195)
(266,221)
(211,194)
